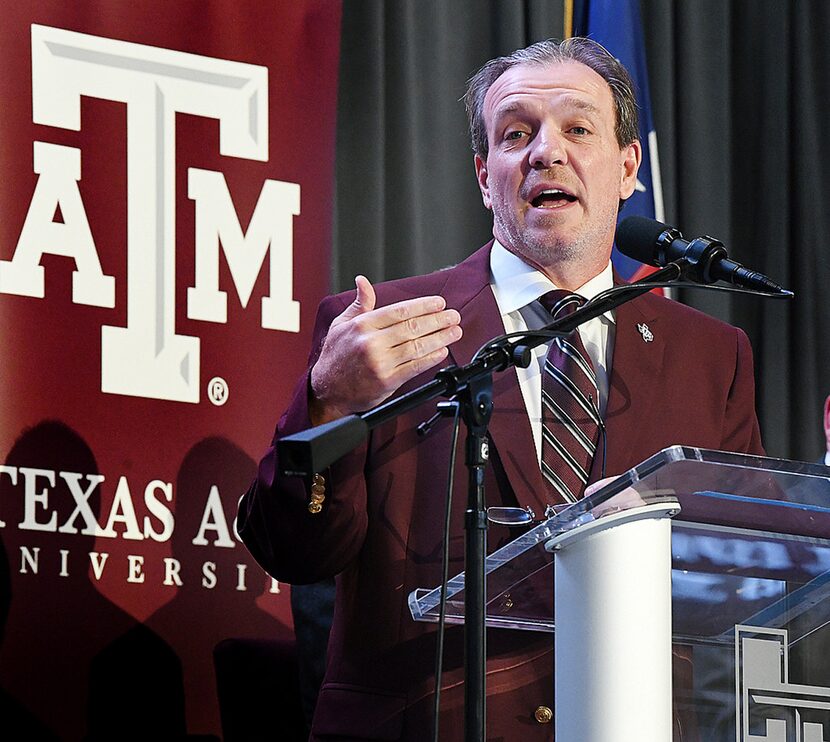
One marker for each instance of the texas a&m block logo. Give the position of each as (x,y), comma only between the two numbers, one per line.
(147,358)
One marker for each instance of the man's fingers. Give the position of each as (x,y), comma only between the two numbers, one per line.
(594,486)
(412,368)
(401,312)
(424,345)
(421,326)
(405,340)
(404,311)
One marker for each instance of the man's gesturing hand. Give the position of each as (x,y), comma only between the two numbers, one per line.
(368,353)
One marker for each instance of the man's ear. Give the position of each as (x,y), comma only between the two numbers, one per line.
(630,158)
(481,176)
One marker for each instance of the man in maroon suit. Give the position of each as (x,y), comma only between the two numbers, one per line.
(554,131)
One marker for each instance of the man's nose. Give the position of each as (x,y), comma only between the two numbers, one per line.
(548,150)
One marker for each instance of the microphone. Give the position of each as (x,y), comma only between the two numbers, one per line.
(705,258)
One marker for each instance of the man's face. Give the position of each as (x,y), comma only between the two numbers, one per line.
(555,173)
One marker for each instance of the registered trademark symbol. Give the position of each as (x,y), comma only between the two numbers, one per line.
(217,391)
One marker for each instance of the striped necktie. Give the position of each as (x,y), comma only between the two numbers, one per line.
(570,416)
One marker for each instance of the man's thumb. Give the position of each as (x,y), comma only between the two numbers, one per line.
(365,299)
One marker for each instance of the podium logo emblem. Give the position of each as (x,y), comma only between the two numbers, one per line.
(771,708)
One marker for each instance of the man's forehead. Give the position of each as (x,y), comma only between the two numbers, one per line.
(571,81)
(516,104)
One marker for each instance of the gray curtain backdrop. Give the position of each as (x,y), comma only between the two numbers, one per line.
(741,98)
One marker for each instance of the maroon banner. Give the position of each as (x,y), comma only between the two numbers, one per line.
(165,219)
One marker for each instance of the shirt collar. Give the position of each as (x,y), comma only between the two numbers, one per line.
(516,284)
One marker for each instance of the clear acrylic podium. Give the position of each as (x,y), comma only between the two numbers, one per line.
(690,599)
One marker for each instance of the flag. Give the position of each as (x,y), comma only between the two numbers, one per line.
(616,24)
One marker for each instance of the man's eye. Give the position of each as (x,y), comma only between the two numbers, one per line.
(580,131)
(513,135)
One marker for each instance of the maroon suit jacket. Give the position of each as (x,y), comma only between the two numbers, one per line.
(380,529)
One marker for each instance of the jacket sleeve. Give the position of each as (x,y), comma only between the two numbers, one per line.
(741,431)
(289,542)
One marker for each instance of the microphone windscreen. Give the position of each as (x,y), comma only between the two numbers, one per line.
(637,238)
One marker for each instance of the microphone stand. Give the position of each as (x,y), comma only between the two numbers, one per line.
(310,451)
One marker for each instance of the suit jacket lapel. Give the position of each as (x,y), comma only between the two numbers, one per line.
(636,367)
(469,291)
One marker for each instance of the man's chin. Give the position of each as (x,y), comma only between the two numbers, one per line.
(545,250)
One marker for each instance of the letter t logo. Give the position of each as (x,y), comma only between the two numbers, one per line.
(147,358)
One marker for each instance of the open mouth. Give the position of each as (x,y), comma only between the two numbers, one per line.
(552,198)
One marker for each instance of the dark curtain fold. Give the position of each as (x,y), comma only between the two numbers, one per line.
(740,96)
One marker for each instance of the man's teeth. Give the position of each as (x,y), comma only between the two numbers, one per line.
(552,195)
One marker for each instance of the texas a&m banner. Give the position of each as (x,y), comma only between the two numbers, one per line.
(165,218)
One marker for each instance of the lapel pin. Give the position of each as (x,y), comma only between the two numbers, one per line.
(645,332)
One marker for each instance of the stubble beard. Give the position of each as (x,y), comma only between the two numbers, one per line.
(553,250)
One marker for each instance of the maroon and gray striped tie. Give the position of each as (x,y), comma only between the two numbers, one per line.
(570,413)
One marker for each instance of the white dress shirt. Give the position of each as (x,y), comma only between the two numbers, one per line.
(517,286)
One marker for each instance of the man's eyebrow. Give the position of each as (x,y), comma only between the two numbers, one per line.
(509,108)
(579,103)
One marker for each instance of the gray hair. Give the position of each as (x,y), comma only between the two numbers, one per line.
(576,49)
